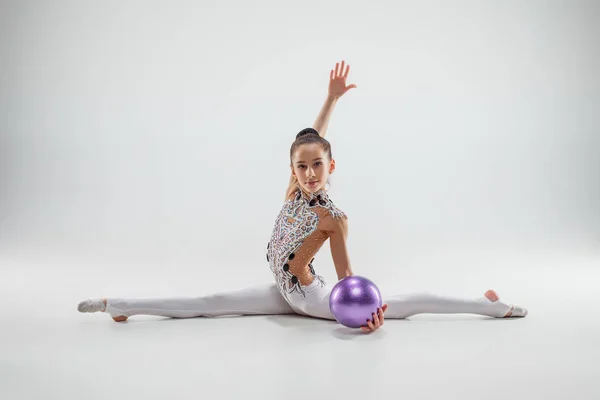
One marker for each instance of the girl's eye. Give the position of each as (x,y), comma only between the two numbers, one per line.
(316,164)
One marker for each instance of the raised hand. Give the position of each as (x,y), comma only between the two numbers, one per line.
(377,322)
(337,88)
(337,80)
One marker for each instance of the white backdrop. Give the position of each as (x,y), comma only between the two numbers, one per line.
(145,144)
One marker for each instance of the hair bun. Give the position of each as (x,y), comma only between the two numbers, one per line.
(307,131)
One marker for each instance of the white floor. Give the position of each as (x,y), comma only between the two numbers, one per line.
(50,351)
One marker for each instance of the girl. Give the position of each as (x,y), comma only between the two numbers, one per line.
(308,218)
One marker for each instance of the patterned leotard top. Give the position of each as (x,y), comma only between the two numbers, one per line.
(300,230)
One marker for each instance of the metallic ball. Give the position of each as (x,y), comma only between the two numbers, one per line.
(353,300)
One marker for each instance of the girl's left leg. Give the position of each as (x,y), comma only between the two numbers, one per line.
(404,306)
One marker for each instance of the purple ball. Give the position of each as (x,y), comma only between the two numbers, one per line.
(353,300)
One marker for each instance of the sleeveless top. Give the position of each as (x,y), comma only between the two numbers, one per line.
(299,232)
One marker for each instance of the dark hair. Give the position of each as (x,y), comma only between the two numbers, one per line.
(310,135)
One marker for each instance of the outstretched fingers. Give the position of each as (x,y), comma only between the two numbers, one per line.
(339,71)
(337,79)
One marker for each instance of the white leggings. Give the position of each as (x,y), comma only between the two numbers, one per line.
(266,299)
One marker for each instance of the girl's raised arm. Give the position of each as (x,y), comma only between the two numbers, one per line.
(337,88)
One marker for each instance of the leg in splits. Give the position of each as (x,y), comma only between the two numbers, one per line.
(258,300)
(404,306)
(266,300)
(316,304)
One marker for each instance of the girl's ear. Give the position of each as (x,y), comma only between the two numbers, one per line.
(332,166)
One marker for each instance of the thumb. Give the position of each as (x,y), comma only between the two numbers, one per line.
(353,86)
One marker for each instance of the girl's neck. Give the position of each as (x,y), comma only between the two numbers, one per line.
(311,195)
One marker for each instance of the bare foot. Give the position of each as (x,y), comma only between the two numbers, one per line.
(492,296)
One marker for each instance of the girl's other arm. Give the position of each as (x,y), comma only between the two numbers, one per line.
(338,235)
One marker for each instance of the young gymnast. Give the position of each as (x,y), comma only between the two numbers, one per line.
(307,219)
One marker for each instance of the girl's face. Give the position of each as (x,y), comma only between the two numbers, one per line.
(311,166)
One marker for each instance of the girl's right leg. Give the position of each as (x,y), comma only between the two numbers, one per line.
(257,300)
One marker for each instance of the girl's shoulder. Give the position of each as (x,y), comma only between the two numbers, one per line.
(334,224)
(334,212)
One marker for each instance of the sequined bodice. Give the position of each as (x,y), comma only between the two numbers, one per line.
(297,236)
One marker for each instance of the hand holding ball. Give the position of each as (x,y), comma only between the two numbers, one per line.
(353,300)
